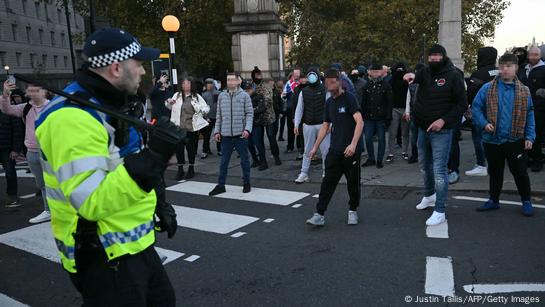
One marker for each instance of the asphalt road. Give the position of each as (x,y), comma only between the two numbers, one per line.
(386,260)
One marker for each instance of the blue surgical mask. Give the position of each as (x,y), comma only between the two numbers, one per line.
(312,78)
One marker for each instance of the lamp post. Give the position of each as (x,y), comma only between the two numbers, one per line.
(171,25)
(6,68)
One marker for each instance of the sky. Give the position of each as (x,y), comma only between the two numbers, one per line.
(522,20)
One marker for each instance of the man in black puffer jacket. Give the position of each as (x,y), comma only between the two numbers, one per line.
(440,102)
(486,71)
(376,106)
(12,135)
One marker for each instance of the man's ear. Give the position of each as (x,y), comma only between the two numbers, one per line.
(115,70)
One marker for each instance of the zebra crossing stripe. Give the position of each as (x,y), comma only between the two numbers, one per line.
(38,240)
(259,195)
(7,301)
(211,221)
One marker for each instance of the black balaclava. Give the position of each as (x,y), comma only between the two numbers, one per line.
(436,48)
(255,72)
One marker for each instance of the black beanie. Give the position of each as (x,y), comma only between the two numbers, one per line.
(375,66)
(436,48)
(255,72)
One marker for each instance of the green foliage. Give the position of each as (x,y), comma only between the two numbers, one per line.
(363,31)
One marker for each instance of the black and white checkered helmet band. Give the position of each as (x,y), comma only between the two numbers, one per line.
(115,56)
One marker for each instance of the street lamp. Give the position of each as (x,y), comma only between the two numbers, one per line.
(6,68)
(171,25)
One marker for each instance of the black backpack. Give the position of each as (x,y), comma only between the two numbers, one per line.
(27,108)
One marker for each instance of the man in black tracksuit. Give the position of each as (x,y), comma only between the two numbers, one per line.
(12,135)
(533,76)
(440,102)
(486,71)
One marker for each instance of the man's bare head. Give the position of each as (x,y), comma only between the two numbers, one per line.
(534,55)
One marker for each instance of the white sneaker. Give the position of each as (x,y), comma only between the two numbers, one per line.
(426,202)
(480,171)
(302,178)
(42,217)
(316,220)
(352,217)
(436,218)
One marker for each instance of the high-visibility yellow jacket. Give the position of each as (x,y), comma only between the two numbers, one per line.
(85,176)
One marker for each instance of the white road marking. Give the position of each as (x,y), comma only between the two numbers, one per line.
(438,232)
(316,196)
(259,195)
(268,221)
(38,240)
(192,258)
(297,206)
(504,288)
(238,234)
(439,276)
(7,301)
(505,202)
(21,173)
(211,221)
(28,196)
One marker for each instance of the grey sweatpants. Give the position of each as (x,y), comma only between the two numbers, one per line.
(310,133)
(397,119)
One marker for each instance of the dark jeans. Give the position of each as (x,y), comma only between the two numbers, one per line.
(257,141)
(335,166)
(282,125)
(228,144)
(11,174)
(454,156)
(517,160)
(537,153)
(413,131)
(291,134)
(477,137)
(190,145)
(131,280)
(271,131)
(371,128)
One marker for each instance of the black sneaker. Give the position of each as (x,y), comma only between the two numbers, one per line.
(255,164)
(263,166)
(379,164)
(405,156)
(217,190)
(12,204)
(246,188)
(299,157)
(369,162)
(277,161)
(412,160)
(390,158)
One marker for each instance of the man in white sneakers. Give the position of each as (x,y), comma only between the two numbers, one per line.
(310,111)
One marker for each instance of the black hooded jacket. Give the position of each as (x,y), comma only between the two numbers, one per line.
(399,87)
(441,95)
(486,71)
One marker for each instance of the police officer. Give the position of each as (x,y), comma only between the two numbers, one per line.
(102,187)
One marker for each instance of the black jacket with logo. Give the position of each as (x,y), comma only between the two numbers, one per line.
(534,81)
(486,71)
(441,95)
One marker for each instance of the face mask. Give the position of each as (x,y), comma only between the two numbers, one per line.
(258,81)
(312,78)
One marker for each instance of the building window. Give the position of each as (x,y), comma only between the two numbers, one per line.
(53,43)
(32,60)
(41,36)
(55,61)
(44,60)
(46,12)
(1,32)
(62,40)
(28,35)
(8,7)
(65,61)
(59,15)
(37,5)
(14,32)
(18,58)
(24,6)
(2,58)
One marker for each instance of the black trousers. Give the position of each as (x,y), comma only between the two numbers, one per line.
(454,156)
(190,145)
(291,134)
(337,165)
(131,280)
(206,134)
(281,125)
(536,153)
(11,174)
(517,160)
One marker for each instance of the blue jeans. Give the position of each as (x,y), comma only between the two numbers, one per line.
(433,154)
(370,128)
(228,144)
(477,136)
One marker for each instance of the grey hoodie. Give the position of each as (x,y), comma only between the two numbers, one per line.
(234,114)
